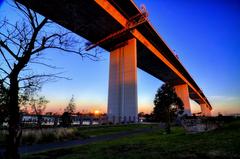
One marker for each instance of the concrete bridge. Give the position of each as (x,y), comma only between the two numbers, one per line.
(121,28)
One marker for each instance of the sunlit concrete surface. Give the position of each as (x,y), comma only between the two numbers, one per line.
(183,94)
(205,111)
(122,94)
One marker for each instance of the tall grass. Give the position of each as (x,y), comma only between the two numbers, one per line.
(30,137)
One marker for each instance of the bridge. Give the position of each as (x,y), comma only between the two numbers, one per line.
(123,29)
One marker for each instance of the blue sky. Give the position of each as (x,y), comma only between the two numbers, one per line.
(204,34)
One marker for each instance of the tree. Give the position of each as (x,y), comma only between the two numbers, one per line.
(23,44)
(166,103)
(68,111)
(141,114)
(38,106)
(71,107)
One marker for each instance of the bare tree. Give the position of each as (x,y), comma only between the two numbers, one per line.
(38,106)
(22,44)
(71,107)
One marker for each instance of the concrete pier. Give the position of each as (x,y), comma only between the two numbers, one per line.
(122,93)
(205,110)
(183,93)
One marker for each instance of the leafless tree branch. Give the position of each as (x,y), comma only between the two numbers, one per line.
(44,64)
(8,64)
(4,71)
(8,49)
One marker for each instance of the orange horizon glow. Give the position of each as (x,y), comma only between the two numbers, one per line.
(86,104)
(91,107)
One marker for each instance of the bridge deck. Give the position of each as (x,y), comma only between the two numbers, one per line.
(87,19)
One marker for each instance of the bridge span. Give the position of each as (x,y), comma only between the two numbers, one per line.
(123,29)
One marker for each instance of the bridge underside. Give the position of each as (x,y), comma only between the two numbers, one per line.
(87,19)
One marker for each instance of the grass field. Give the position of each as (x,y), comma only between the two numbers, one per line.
(104,130)
(221,143)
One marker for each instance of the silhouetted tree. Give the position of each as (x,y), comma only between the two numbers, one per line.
(141,114)
(68,111)
(166,102)
(23,43)
(71,107)
(38,106)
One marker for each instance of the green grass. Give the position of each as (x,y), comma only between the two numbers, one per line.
(221,143)
(106,130)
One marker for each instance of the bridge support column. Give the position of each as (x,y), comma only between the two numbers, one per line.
(209,112)
(122,91)
(183,94)
(205,110)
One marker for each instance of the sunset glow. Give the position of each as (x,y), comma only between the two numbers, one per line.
(96,112)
